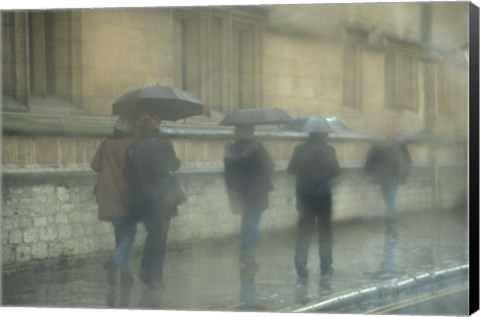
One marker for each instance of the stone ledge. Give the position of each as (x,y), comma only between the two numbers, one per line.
(95,126)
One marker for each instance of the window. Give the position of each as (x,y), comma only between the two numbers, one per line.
(402,76)
(14,60)
(186,33)
(223,68)
(243,66)
(37,60)
(353,69)
(218,63)
(450,82)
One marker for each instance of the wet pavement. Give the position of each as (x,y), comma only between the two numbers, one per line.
(209,276)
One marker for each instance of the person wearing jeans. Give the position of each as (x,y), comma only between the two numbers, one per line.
(248,169)
(389,194)
(113,199)
(388,163)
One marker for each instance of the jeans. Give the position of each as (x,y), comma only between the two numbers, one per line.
(249,232)
(124,238)
(389,194)
(389,249)
(309,216)
(248,287)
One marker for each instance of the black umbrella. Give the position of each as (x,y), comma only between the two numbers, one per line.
(168,102)
(257,116)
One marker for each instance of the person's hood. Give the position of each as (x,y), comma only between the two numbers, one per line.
(317,139)
(246,153)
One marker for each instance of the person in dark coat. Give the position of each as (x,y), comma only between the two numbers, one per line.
(315,165)
(150,162)
(113,199)
(248,170)
(388,163)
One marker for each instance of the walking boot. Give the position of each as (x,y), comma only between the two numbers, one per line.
(126,284)
(153,281)
(249,262)
(112,269)
(301,268)
(327,273)
(111,297)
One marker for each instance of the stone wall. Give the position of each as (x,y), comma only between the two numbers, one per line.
(452,185)
(299,59)
(50,217)
(36,143)
(123,49)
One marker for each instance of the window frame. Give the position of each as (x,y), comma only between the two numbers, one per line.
(356,40)
(226,72)
(402,76)
(30,62)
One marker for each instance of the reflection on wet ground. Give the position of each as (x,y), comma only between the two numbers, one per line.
(449,301)
(209,277)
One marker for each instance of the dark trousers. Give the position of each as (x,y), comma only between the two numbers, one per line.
(311,216)
(154,250)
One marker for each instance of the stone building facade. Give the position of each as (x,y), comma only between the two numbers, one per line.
(365,63)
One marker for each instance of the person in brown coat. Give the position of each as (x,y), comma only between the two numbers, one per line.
(113,197)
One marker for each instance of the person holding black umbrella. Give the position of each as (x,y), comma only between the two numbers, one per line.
(150,163)
(248,170)
(315,165)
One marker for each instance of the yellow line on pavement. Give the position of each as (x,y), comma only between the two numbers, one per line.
(416,300)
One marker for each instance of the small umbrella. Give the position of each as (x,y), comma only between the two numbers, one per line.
(257,116)
(337,125)
(168,102)
(318,125)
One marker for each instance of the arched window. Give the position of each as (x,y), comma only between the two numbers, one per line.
(38,61)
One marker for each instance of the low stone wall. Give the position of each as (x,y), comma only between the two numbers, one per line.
(53,216)
(452,185)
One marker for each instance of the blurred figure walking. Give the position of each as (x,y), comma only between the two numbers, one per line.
(113,198)
(388,163)
(248,170)
(315,165)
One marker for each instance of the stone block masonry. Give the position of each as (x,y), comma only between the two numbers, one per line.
(53,217)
